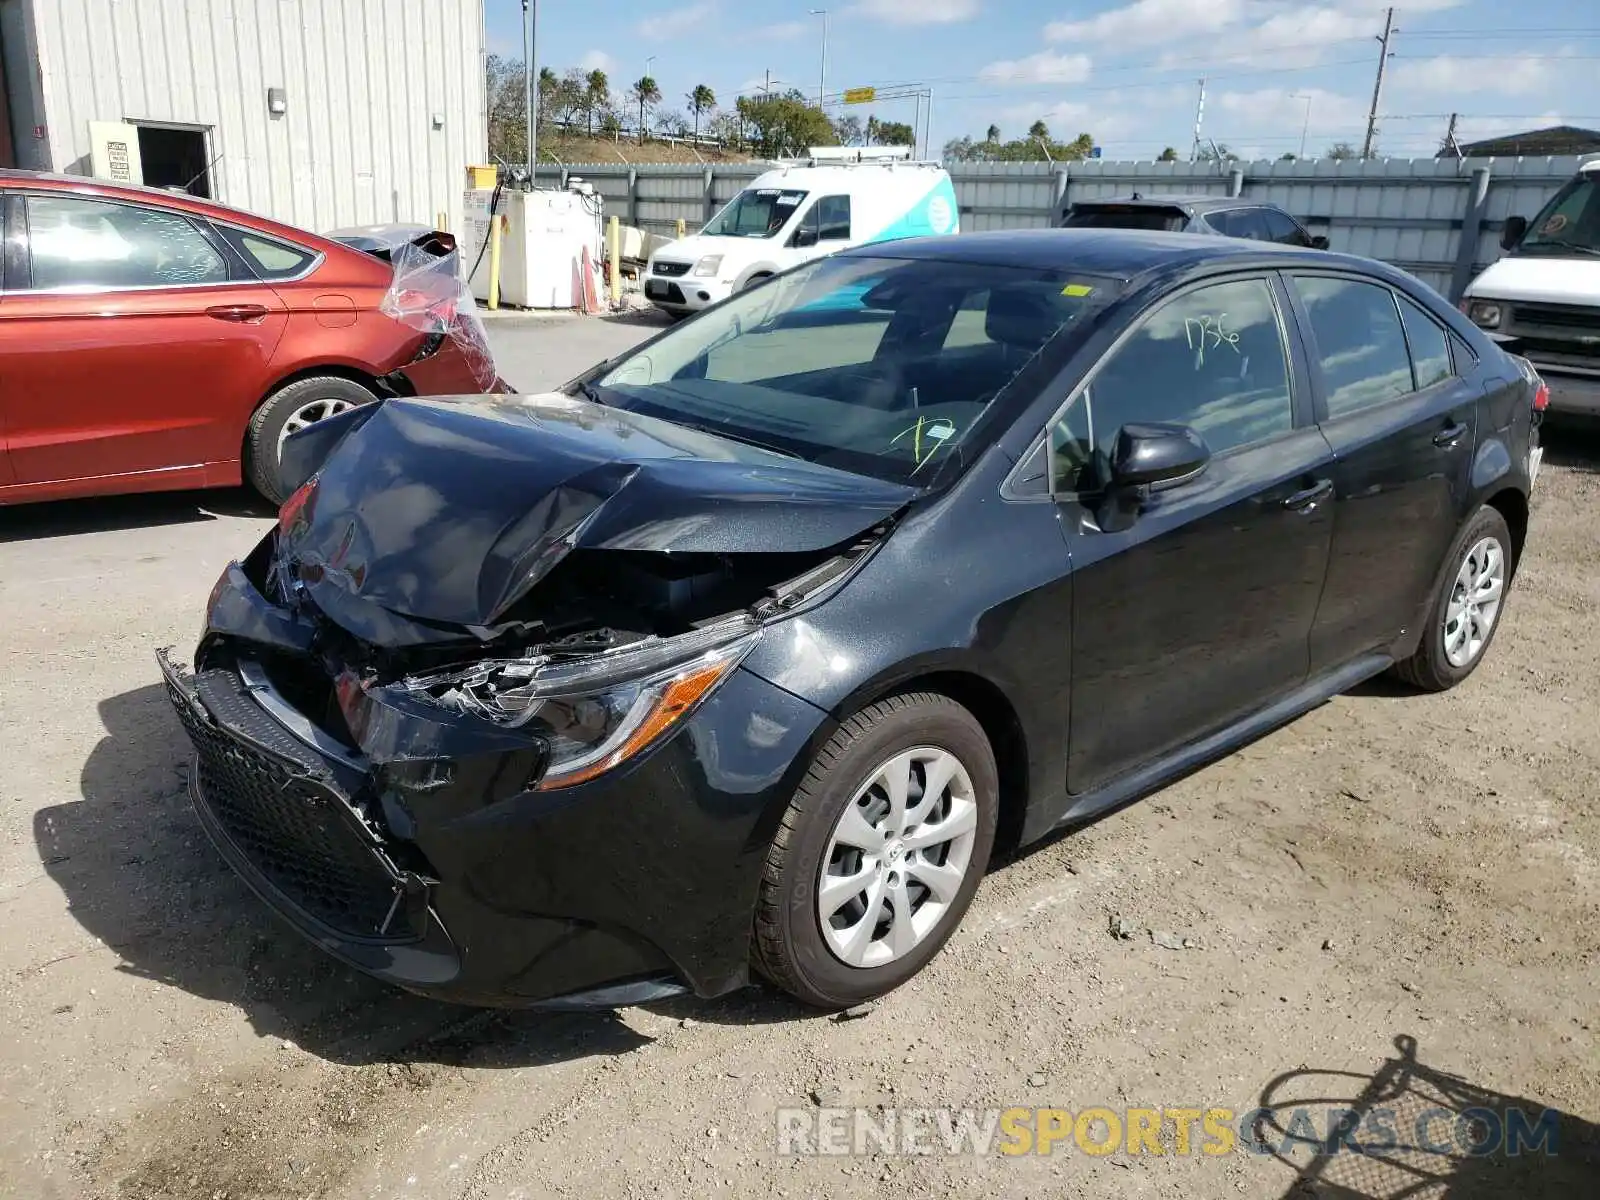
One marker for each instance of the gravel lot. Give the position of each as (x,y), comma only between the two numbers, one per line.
(1389,867)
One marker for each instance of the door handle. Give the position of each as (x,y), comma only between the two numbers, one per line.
(238,313)
(1310,497)
(1449,435)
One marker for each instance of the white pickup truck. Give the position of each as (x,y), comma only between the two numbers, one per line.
(1542,300)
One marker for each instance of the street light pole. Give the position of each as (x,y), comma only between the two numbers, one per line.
(1304,128)
(530,22)
(822,77)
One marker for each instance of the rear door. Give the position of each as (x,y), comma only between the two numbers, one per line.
(13,271)
(1200,609)
(138,342)
(1401,417)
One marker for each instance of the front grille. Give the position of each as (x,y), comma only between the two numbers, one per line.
(1557,315)
(292,829)
(1557,352)
(672,270)
(654,289)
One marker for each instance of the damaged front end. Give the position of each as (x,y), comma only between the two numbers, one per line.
(529,770)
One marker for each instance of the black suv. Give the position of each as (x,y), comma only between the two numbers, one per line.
(1227,216)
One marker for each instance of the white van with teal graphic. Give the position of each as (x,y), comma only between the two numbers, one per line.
(840,197)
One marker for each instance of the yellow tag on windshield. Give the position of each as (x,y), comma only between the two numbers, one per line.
(1076,289)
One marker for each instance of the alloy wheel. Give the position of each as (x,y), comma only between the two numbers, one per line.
(310,413)
(897,857)
(1474,601)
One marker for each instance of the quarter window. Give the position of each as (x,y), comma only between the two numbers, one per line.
(1360,343)
(268,257)
(1430,349)
(91,244)
(1212,359)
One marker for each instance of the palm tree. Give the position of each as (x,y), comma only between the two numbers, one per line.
(597,94)
(1039,130)
(993,135)
(644,93)
(701,101)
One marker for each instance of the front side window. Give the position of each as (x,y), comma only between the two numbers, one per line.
(1240,223)
(756,213)
(94,244)
(1281,228)
(1430,348)
(1212,359)
(1360,344)
(857,362)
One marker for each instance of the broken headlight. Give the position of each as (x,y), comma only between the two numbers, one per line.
(598,710)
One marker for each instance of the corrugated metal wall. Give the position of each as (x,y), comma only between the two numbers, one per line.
(1412,213)
(364,79)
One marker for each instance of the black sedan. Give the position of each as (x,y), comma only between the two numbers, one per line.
(748,648)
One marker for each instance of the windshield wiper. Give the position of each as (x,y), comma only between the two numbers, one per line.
(746,439)
(592,394)
(1563,245)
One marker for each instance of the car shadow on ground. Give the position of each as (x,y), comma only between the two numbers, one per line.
(64,518)
(1571,442)
(1411,1130)
(139,873)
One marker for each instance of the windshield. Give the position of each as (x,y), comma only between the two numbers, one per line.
(880,366)
(1169,220)
(755,213)
(1569,223)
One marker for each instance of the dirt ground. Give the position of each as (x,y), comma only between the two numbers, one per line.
(1395,900)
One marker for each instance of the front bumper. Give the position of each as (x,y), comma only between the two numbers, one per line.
(423,859)
(684,293)
(1578,394)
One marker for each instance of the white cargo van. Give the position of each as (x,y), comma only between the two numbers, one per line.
(837,198)
(1542,300)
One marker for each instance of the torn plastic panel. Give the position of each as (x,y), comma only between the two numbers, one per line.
(496,494)
(429,295)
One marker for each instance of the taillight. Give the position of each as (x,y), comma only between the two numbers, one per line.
(1541,397)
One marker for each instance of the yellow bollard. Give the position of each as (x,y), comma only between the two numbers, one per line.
(614,260)
(495,225)
(680,229)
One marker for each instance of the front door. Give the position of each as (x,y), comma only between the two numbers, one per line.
(1200,609)
(133,347)
(1402,422)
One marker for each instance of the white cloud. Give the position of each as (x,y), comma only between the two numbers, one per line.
(675,22)
(1148,22)
(916,12)
(1043,67)
(1510,75)
(782,31)
(598,60)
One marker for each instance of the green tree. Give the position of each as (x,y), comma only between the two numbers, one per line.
(1218,152)
(848,130)
(508,133)
(596,96)
(701,101)
(896,133)
(1168,155)
(785,123)
(1341,152)
(644,93)
(992,135)
(1288,156)
(1039,130)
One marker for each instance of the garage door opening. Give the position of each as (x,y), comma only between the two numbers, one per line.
(175,158)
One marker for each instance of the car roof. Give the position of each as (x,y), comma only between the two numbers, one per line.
(1196,203)
(1123,254)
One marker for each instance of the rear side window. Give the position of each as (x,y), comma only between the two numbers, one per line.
(833,218)
(95,244)
(1239,223)
(1360,343)
(1167,220)
(1430,348)
(268,257)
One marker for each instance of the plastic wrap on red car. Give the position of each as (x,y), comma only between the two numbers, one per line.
(428,294)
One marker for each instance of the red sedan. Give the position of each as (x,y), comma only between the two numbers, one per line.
(151,341)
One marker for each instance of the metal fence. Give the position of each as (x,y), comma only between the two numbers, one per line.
(1440,219)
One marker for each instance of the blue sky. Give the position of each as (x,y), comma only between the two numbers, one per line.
(1125,72)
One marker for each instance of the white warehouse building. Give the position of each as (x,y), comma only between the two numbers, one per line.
(321,113)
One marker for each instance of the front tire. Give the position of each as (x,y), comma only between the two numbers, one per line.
(880,852)
(292,407)
(1467,605)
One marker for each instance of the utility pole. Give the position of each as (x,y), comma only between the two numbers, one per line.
(530,21)
(1377,87)
(1305,127)
(1199,116)
(1450,145)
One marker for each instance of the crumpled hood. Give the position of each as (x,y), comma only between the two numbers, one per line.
(449,512)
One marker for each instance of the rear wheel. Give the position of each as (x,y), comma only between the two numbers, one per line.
(1467,606)
(288,410)
(880,852)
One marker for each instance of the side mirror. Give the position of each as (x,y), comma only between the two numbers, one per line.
(1151,457)
(806,235)
(1513,232)
(1319,242)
